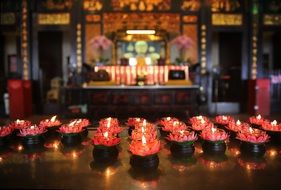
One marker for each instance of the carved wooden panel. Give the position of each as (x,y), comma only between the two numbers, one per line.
(163,98)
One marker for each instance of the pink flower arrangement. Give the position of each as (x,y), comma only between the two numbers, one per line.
(100,43)
(144,149)
(133,121)
(203,124)
(272,126)
(109,122)
(237,126)
(224,120)
(20,124)
(167,121)
(82,122)
(257,120)
(198,119)
(182,136)
(105,139)
(70,128)
(113,129)
(5,131)
(253,137)
(150,135)
(175,126)
(182,42)
(53,122)
(32,130)
(214,134)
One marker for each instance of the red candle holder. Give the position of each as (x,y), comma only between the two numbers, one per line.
(223,120)
(182,143)
(109,122)
(253,142)
(235,127)
(257,121)
(49,123)
(84,123)
(197,119)
(144,154)
(133,121)
(274,131)
(201,125)
(214,140)
(32,136)
(105,147)
(167,121)
(71,134)
(175,126)
(20,124)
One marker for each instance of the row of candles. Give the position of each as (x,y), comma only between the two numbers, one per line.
(144,135)
(25,128)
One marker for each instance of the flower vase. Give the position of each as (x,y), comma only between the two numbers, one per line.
(71,139)
(253,149)
(105,154)
(32,141)
(145,163)
(214,147)
(182,149)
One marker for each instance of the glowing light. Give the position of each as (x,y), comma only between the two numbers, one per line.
(224,117)
(274,123)
(138,119)
(272,153)
(1,159)
(74,155)
(72,124)
(142,129)
(213,130)
(251,130)
(168,118)
(53,119)
(32,127)
(143,140)
(56,145)
(181,132)
(200,117)
(238,122)
(144,123)
(259,117)
(202,121)
(20,148)
(176,123)
(140,32)
(108,122)
(105,134)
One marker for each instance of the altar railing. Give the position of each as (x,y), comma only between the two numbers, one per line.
(154,74)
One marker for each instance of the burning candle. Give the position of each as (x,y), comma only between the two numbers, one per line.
(53,119)
(224,117)
(251,130)
(259,117)
(238,122)
(105,135)
(143,140)
(274,123)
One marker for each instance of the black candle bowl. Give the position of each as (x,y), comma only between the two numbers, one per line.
(275,137)
(84,133)
(144,163)
(213,147)
(105,154)
(33,141)
(53,131)
(71,139)
(164,133)
(252,149)
(182,149)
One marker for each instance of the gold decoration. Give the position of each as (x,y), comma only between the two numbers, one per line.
(93,18)
(54,19)
(78,48)
(272,19)
(92,5)
(118,21)
(225,5)
(190,19)
(24,41)
(7,18)
(227,19)
(190,5)
(141,5)
(203,48)
(58,5)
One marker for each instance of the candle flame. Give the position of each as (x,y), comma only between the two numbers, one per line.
(251,130)
(224,117)
(213,130)
(202,121)
(259,116)
(181,132)
(71,124)
(274,123)
(144,123)
(32,127)
(238,122)
(53,119)
(105,134)
(200,117)
(176,123)
(137,119)
(143,140)
(142,129)
(18,121)
(168,118)
(108,122)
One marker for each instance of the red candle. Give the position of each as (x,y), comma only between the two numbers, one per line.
(272,126)
(182,136)
(257,120)
(32,130)
(20,124)
(144,148)
(253,136)
(237,126)
(214,134)
(71,128)
(105,139)
(223,120)
(50,122)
